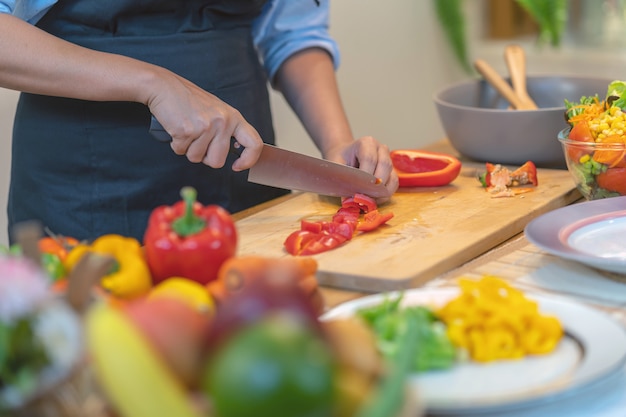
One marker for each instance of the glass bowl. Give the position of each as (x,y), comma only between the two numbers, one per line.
(598,168)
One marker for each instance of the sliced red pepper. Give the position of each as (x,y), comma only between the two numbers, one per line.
(373,220)
(324,242)
(486,178)
(315,227)
(304,242)
(366,203)
(418,168)
(298,240)
(189,240)
(344,229)
(320,236)
(526,174)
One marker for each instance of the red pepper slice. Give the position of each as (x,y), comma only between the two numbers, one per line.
(418,168)
(373,220)
(525,174)
(189,240)
(366,203)
(305,242)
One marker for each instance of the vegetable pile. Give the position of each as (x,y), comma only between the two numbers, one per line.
(182,326)
(599,173)
(488,321)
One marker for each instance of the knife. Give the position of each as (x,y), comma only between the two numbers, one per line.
(290,170)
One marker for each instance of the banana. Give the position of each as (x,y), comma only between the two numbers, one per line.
(132,377)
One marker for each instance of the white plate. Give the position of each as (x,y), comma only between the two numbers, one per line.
(594,348)
(593,233)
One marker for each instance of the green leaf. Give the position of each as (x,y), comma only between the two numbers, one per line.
(550,15)
(450,16)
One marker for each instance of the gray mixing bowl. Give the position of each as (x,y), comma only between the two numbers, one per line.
(478,124)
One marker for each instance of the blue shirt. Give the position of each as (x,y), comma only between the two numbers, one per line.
(283,28)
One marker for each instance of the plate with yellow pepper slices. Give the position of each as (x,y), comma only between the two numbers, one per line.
(488,347)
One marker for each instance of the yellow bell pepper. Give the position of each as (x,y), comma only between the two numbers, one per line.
(130,277)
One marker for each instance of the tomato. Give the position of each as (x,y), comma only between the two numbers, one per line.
(275,367)
(613,179)
(581,132)
(417,168)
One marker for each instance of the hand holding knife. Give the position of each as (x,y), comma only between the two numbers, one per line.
(281,168)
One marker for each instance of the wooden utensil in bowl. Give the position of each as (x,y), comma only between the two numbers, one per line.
(515,59)
(500,84)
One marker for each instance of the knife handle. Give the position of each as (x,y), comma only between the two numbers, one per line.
(160,134)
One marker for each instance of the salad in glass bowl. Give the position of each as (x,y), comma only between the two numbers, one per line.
(594,143)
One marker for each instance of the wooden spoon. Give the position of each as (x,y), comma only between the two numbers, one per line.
(501,86)
(516,62)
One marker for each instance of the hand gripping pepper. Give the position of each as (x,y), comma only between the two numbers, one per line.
(189,240)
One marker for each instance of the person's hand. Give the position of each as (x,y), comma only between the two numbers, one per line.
(369,155)
(201,124)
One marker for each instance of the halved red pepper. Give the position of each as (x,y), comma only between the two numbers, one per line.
(189,240)
(418,168)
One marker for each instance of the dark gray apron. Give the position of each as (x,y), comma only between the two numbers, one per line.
(85,168)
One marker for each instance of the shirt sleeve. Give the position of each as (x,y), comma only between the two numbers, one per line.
(7,6)
(28,10)
(287,26)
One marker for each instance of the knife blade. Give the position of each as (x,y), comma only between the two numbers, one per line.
(291,170)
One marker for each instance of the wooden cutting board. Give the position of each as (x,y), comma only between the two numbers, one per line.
(433,231)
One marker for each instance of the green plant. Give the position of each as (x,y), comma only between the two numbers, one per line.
(550,16)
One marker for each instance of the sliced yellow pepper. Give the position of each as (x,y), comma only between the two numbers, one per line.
(493,320)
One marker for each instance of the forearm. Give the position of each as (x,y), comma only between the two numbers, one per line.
(307,80)
(34,61)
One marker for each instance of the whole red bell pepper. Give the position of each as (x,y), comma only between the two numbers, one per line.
(189,240)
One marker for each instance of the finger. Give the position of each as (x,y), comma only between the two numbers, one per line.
(367,154)
(180,145)
(384,166)
(252,144)
(216,153)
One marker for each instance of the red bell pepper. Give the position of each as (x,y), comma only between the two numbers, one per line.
(417,168)
(189,240)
